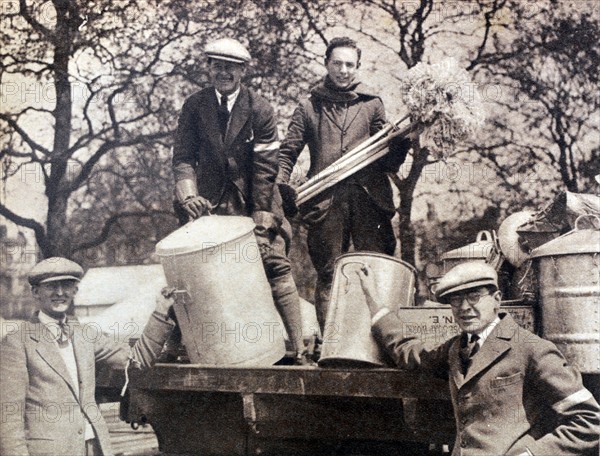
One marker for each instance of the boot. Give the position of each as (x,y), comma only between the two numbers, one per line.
(322,295)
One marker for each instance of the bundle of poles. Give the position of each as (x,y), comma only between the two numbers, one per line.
(443,107)
(358,158)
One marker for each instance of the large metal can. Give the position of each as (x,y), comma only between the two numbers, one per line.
(223,300)
(568,273)
(347,339)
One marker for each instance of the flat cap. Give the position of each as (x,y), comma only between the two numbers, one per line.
(467,275)
(227,49)
(55,268)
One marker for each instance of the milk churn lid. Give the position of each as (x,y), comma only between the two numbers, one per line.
(479,250)
(204,233)
(572,243)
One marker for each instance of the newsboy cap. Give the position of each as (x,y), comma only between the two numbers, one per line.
(472,274)
(55,268)
(227,49)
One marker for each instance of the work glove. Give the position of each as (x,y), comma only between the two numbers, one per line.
(398,150)
(288,199)
(196,206)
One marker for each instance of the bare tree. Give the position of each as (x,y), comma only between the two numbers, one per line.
(550,70)
(118,73)
(68,48)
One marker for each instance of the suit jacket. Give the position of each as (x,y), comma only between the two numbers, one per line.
(237,174)
(315,123)
(42,414)
(519,393)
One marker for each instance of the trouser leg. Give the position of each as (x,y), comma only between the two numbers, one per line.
(370,226)
(326,241)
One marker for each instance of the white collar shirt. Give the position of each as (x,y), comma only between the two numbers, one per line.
(231,98)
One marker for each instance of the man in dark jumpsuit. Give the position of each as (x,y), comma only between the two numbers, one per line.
(340,114)
(225,161)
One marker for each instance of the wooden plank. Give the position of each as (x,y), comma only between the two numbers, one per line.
(294,380)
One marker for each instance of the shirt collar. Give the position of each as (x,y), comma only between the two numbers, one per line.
(48,320)
(230,98)
(483,335)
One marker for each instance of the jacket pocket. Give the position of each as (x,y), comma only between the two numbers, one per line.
(499,382)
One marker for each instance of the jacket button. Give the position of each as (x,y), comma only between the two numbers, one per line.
(463,444)
(80,431)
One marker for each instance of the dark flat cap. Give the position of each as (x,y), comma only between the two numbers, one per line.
(55,268)
(472,274)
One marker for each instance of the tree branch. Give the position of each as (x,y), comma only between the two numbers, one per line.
(112,220)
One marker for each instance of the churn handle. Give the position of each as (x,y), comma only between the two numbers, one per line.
(488,236)
(593,216)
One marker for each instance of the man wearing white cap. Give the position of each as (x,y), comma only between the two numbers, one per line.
(513,393)
(225,161)
(48,366)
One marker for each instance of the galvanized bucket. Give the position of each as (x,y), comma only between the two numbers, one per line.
(347,340)
(223,300)
(568,273)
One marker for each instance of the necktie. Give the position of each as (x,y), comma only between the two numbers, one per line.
(468,348)
(65,333)
(223,116)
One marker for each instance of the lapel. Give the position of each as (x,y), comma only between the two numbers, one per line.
(240,114)
(455,367)
(47,348)
(352,113)
(82,358)
(497,343)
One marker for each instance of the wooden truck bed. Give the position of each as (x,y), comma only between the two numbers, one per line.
(288,410)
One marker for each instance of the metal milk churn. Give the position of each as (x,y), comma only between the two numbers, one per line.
(347,339)
(223,300)
(568,273)
(483,249)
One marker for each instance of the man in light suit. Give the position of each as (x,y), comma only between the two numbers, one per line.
(225,162)
(48,366)
(513,393)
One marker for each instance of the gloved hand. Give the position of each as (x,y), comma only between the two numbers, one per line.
(196,206)
(398,147)
(288,199)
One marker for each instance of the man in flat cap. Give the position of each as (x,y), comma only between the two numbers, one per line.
(513,393)
(225,161)
(48,364)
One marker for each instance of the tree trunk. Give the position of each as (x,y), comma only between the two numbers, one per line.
(407,190)
(58,242)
